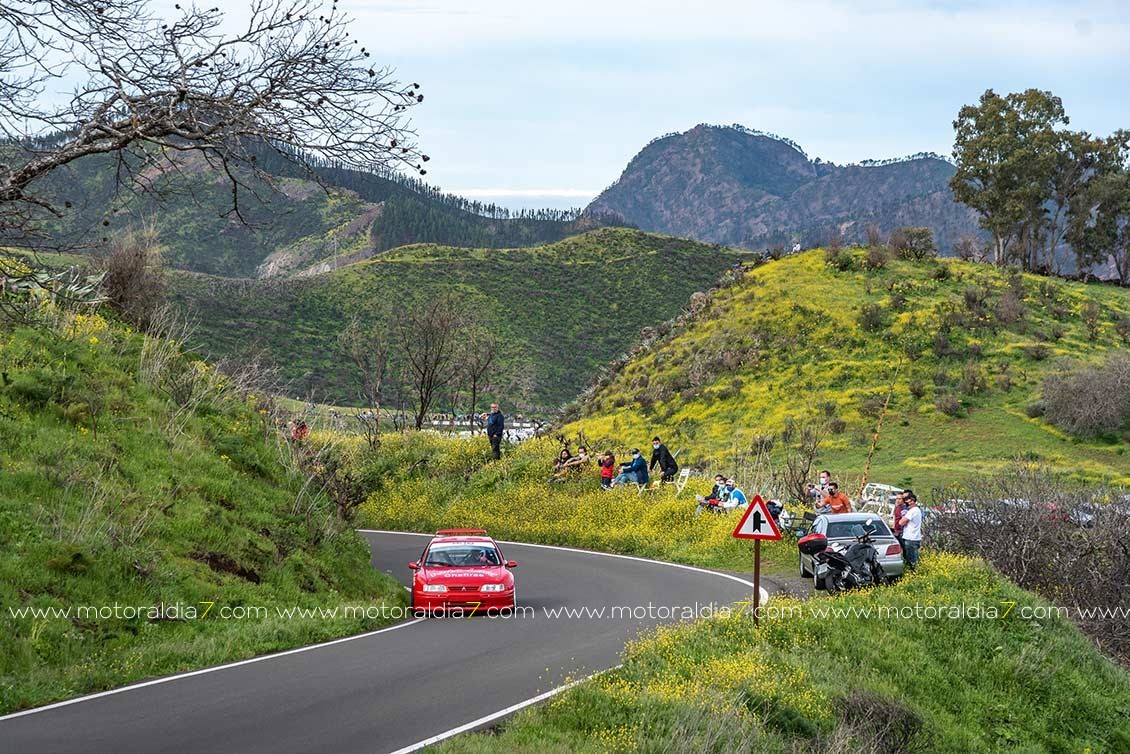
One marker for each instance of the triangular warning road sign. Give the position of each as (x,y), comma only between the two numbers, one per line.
(757,523)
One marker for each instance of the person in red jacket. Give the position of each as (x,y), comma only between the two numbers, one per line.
(607,469)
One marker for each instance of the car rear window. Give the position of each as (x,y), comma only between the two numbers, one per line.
(837,529)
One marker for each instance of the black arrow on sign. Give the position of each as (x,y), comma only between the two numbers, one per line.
(757,520)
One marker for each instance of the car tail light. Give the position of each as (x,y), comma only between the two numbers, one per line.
(894,549)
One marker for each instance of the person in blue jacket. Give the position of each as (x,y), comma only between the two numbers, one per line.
(495,427)
(634,472)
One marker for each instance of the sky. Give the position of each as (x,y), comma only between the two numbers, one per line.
(533,103)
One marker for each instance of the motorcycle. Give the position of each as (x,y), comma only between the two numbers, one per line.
(842,565)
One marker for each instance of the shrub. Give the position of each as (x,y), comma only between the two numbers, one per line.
(967,249)
(837,426)
(1090,400)
(948,405)
(134,279)
(1092,315)
(1036,351)
(1010,308)
(972,379)
(1035,409)
(917,388)
(941,272)
(871,406)
(914,243)
(872,318)
(876,258)
(874,239)
(838,258)
(1122,327)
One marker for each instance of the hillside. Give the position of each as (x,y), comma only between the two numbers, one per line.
(558,311)
(131,477)
(735,186)
(804,340)
(287,222)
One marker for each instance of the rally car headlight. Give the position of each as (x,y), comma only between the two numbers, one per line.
(435,588)
(493,587)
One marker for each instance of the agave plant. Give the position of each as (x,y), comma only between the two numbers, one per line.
(28,292)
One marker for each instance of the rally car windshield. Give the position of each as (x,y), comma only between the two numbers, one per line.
(463,555)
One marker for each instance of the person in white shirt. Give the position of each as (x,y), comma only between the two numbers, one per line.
(911,523)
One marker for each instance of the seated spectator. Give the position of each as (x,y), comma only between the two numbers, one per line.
(562,459)
(836,502)
(632,472)
(734,496)
(718,494)
(607,464)
(572,463)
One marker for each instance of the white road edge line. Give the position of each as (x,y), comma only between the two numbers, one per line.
(189,674)
(542,697)
(730,576)
(501,713)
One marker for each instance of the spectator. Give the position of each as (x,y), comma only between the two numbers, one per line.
(813,494)
(718,495)
(496,426)
(825,481)
(571,463)
(607,464)
(836,501)
(911,522)
(561,462)
(796,247)
(734,496)
(634,471)
(661,456)
(897,514)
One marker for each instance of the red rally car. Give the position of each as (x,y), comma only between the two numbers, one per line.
(462,569)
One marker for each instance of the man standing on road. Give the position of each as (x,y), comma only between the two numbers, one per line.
(660,455)
(911,522)
(496,427)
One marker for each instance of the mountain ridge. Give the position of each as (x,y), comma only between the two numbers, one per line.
(738,186)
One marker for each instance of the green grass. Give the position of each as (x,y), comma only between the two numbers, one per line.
(788,342)
(101,503)
(807,682)
(558,311)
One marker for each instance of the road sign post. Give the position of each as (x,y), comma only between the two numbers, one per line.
(757,524)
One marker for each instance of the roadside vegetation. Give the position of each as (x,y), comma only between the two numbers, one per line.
(133,474)
(961,360)
(806,682)
(423,482)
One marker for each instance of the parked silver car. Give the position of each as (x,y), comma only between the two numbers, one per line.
(837,528)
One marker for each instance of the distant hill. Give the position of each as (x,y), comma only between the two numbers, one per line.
(731,185)
(293,221)
(558,310)
(799,338)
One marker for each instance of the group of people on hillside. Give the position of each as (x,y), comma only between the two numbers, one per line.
(636,471)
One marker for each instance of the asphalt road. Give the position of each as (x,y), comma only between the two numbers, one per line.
(391,689)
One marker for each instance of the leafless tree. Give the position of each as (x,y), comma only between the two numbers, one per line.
(150,90)
(368,348)
(479,352)
(800,443)
(428,334)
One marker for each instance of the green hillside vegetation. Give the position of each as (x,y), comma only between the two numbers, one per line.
(132,474)
(966,347)
(806,682)
(286,222)
(558,311)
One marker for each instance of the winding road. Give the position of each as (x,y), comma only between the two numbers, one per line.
(397,689)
